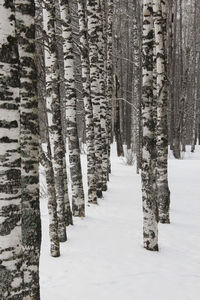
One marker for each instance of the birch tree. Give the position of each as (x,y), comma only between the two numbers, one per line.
(29,142)
(150,228)
(116,83)
(11,283)
(46,160)
(45,154)
(136,117)
(116,125)
(163,194)
(109,74)
(101,44)
(61,89)
(196,81)
(91,157)
(93,42)
(54,115)
(19,211)
(78,201)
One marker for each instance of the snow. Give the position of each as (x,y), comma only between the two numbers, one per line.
(103,258)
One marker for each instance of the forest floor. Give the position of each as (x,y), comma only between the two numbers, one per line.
(103,258)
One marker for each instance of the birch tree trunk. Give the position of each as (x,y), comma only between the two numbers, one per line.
(163,193)
(120,151)
(116,93)
(137,83)
(52,204)
(150,227)
(91,157)
(92,26)
(109,73)
(78,202)
(61,89)
(45,156)
(68,212)
(29,142)
(184,102)
(175,130)
(101,32)
(196,61)
(11,281)
(54,115)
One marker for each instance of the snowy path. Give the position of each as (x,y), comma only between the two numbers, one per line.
(104,259)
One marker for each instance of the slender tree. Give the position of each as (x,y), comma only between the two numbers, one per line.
(109,73)
(101,44)
(150,228)
(91,157)
(68,212)
(45,154)
(54,115)
(116,86)
(93,42)
(163,193)
(78,202)
(61,85)
(46,159)
(116,126)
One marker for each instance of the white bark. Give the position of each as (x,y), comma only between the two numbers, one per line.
(91,157)
(54,120)
(29,142)
(163,194)
(10,168)
(150,228)
(92,25)
(78,201)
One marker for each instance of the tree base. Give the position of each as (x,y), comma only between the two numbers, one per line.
(93,202)
(63,237)
(68,217)
(80,214)
(99,194)
(104,188)
(155,248)
(164,220)
(55,253)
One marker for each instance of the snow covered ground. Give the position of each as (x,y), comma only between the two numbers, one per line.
(103,258)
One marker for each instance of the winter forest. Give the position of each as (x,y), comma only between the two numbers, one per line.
(99,149)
